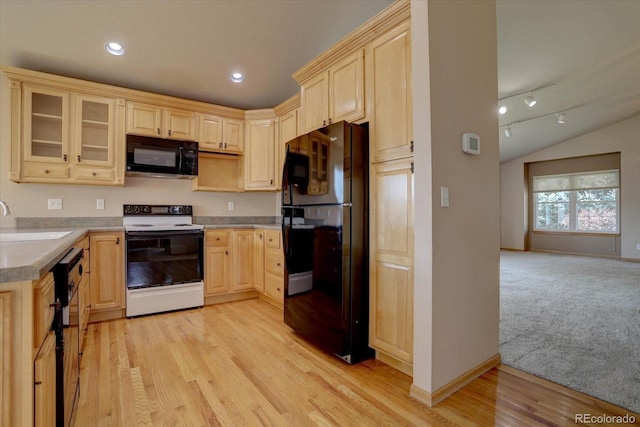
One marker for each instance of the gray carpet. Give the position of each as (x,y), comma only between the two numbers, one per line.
(573,320)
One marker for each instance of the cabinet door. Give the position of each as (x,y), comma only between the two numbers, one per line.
(391,259)
(314,98)
(46,125)
(243,260)
(233,135)
(144,119)
(258,260)
(217,270)
(287,131)
(389,77)
(44,389)
(260,157)
(210,132)
(346,89)
(178,124)
(107,286)
(93,125)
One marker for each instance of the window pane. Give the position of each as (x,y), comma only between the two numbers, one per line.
(597,210)
(552,211)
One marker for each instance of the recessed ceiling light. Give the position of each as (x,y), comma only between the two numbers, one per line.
(237,77)
(114,48)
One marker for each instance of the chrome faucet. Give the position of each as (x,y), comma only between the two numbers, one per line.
(5,208)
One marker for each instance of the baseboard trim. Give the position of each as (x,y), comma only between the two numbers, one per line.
(404,367)
(432,399)
(236,296)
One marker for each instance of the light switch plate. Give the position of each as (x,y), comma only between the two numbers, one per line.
(444,197)
(99,203)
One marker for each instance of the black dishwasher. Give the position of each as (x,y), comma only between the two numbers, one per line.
(67,274)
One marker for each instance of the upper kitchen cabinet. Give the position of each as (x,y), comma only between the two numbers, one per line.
(61,136)
(288,126)
(388,67)
(220,134)
(260,154)
(335,94)
(95,139)
(160,122)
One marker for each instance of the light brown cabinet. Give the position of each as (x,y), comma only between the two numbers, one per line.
(67,137)
(335,94)
(159,122)
(258,260)
(107,282)
(388,63)
(220,134)
(391,263)
(287,131)
(274,267)
(318,163)
(260,155)
(217,273)
(242,260)
(44,389)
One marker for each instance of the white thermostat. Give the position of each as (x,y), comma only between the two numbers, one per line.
(471,143)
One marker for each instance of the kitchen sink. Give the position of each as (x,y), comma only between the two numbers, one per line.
(39,235)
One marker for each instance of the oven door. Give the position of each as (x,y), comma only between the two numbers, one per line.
(162,258)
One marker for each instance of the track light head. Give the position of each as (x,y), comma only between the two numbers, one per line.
(502,109)
(530,101)
(562,118)
(507,131)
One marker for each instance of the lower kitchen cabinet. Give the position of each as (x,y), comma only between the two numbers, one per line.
(44,389)
(258,260)
(107,283)
(391,263)
(228,265)
(274,267)
(242,260)
(217,262)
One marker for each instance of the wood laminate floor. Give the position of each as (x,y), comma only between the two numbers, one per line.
(237,364)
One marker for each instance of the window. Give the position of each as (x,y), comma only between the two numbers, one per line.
(586,202)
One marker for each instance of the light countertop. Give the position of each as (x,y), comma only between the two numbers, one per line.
(31,259)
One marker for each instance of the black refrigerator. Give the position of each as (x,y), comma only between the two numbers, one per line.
(325,239)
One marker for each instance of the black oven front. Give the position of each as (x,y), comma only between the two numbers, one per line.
(164,258)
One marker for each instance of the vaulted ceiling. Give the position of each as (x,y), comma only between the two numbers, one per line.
(586,52)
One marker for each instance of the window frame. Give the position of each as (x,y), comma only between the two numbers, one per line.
(573,209)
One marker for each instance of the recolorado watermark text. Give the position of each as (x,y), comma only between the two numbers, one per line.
(603,419)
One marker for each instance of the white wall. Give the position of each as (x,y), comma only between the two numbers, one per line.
(30,200)
(624,137)
(456,321)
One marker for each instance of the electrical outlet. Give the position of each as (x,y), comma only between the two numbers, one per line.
(231,206)
(99,203)
(54,204)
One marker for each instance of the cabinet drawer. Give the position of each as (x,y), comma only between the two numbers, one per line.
(274,262)
(273,239)
(95,174)
(47,171)
(274,287)
(43,311)
(217,238)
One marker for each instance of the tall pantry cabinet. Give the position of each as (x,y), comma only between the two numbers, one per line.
(388,62)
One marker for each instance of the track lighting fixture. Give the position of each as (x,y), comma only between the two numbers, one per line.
(502,109)
(530,101)
(562,118)
(507,131)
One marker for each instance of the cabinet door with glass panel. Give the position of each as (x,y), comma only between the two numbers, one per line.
(94,137)
(46,125)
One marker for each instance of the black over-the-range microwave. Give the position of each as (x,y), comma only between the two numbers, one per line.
(166,158)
